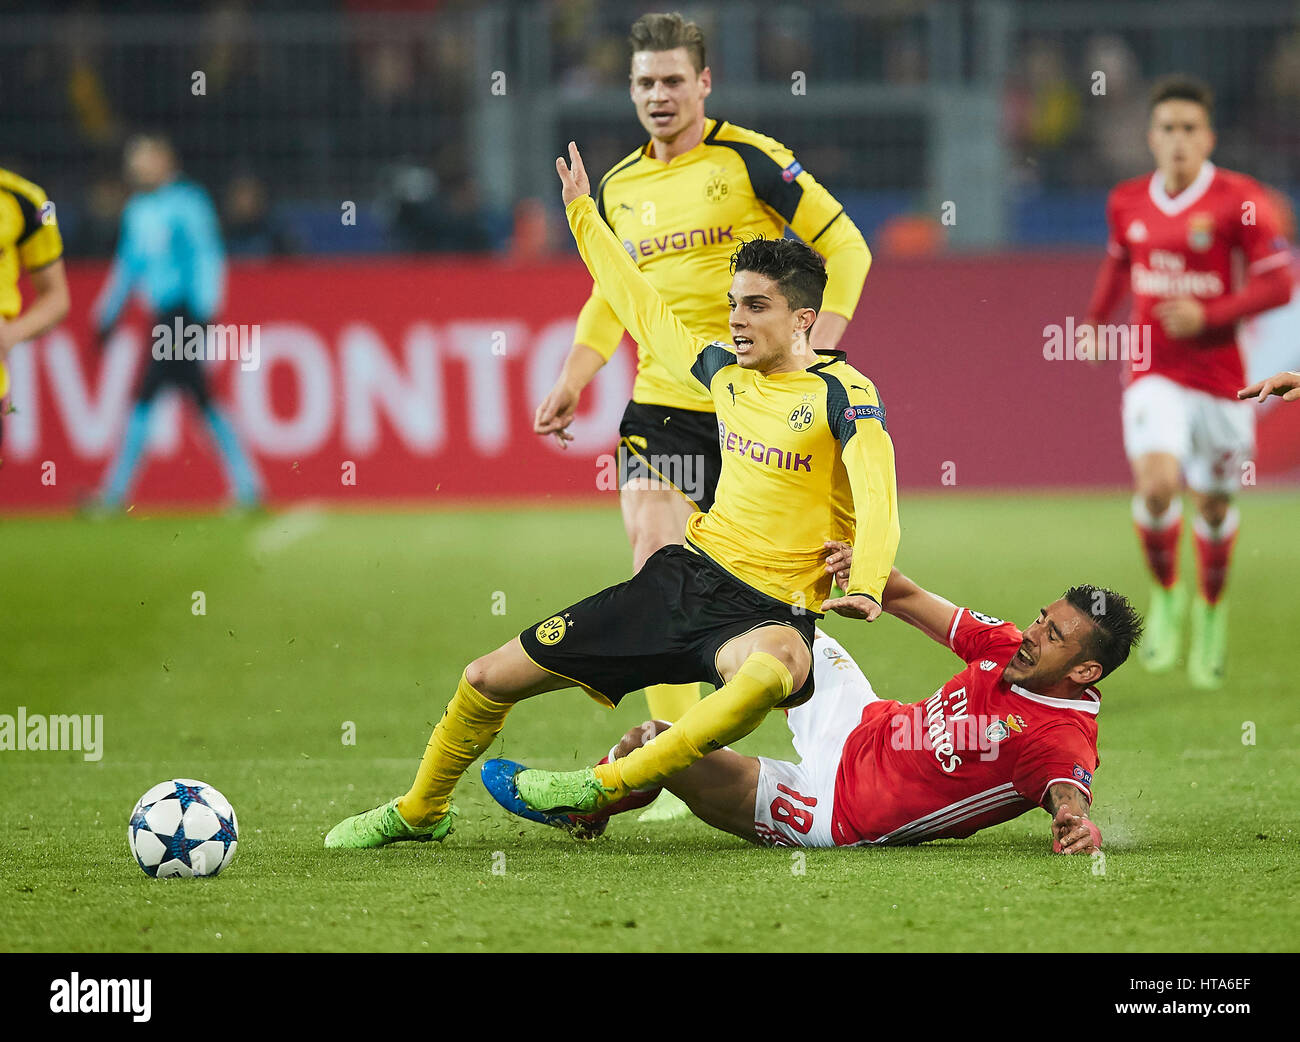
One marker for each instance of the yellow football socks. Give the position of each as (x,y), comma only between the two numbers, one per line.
(669,701)
(730,713)
(464,733)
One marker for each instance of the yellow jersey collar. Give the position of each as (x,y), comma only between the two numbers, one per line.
(711,128)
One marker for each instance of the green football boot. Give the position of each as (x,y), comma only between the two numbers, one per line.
(1207,658)
(577,792)
(1158,651)
(384,825)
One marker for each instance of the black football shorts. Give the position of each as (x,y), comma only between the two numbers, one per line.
(676,446)
(665,625)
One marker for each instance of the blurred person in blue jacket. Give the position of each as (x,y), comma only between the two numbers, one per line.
(169,251)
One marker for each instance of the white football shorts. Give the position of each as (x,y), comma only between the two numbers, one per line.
(793,805)
(1211,437)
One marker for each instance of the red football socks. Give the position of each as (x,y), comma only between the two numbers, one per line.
(1160,535)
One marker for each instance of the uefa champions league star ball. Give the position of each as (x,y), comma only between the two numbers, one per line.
(183,827)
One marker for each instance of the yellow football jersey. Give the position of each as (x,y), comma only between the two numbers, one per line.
(681,221)
(29,237)
(805,455)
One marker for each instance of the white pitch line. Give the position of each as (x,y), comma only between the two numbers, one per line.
(282,531)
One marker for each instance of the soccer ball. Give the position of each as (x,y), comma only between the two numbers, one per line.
(182,827)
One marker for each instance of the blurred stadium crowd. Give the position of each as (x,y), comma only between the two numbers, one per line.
(307,103)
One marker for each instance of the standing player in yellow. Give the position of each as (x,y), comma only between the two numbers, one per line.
(29,241)
(682,203)
(806,460)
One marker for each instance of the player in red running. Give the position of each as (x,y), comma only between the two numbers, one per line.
(1014,730)
(1174,238)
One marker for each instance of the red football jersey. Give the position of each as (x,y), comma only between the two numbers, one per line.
(977,752)
(1184,246)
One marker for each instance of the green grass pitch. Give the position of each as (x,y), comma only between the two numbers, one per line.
(317,621)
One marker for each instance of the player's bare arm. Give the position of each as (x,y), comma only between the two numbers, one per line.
(1286,385)
(1072,830)
(928,612)
(49,306)
(558,408)
(827,331)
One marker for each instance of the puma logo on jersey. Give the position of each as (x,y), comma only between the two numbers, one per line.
(734,392)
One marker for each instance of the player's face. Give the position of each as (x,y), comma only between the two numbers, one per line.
(148,165)
(1180,138)
(1051,649)
(668,93)
(763,325)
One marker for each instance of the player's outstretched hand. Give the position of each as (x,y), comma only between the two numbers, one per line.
(573,175)
(839,560)
(1072,834)
(1285,384)
(854,607)
(556,412)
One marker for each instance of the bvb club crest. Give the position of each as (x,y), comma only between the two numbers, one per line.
(552,630)
(802,417)
(716,188)
(1200,231)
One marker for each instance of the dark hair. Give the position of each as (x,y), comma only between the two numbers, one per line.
(1183,88)
(1116,625)
(797,269)
(667,32)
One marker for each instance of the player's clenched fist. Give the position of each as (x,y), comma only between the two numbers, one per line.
(1182,318)
(1073,834)
(573,175)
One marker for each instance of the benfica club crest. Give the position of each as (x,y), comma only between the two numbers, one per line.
(1200,231)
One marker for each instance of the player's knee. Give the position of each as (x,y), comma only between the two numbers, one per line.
(1158,495)
(793,656)
(478,674)
(1158,483)
(644,545)
(1214,509)
(640,735)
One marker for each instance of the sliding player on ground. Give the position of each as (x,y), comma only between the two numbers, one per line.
(30,242)
(806,459)
(1173,239)
(682,203)
(1014,730)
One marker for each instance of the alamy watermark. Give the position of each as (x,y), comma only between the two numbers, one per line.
(941,726)
(72,994)
(1088,342)
(193,342)
(684,471)
(35,732)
